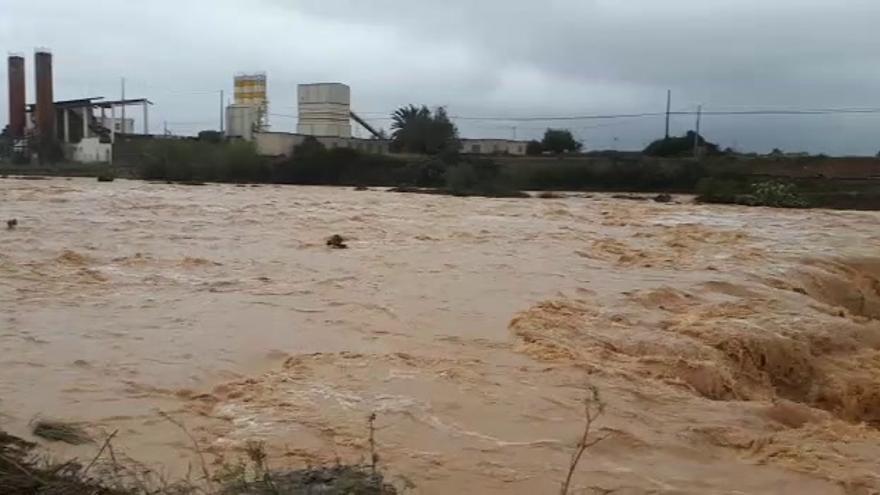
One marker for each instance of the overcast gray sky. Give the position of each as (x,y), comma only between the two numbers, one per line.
(483,58)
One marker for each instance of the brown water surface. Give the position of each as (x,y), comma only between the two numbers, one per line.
(737,349)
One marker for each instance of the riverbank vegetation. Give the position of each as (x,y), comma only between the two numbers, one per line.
(555,141)
(736,191)
(768,182)
(311,163)
(25,471)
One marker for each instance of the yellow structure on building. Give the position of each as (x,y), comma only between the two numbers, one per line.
(250,90)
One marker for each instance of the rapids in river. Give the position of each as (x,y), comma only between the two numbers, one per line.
(737,350)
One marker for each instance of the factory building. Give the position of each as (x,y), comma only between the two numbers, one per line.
(118,125)
(324,109)
(493,147)
(324,112)
(250,111)
(282,143)
(81,128)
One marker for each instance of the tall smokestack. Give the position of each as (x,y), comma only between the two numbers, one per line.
(45,104)
(16,96)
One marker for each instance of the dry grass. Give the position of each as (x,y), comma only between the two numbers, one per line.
(59,431)
(24,473)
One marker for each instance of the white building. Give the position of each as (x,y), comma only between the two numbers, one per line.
(282,143)
(493,147)
(324,110)
(91,150)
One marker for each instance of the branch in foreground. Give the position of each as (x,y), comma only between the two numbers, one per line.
(593,408)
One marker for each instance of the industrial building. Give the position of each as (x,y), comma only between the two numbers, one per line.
(250,111)
(118,125)
(493,147)
(324,112)
(81,127)
(282,143)
(324,109)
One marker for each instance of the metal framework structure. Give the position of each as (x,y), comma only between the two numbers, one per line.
(250,89)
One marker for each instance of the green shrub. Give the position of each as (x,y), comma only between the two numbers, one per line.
(777,194)
(534,147)
(242,163)
(769,193)
(715,190)
(312,163)
(191,160)
(631,175)
(431,173)
(478,177)
(680,146)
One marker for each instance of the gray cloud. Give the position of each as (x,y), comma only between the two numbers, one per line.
(486,58)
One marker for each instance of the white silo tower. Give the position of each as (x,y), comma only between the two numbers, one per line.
(324,110)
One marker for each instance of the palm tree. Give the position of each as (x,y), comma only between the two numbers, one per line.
(417,130)
(408,127)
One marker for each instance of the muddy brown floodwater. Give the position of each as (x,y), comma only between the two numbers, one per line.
(737,349)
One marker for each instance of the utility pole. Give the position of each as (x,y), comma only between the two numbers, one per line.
(514,132)
(165,125)
(697,135)
(221,112)
(122,127)
(668,109)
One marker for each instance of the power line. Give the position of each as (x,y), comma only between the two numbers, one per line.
(572,117)
(621,116)
(550,118)
(818,111)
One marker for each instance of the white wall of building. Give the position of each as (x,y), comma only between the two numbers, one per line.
(282,143)
(493,147)
(92,150)
(324,110)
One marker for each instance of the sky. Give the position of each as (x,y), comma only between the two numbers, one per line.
(498,59)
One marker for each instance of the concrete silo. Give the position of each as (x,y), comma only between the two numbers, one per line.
(250,91)
(324,110)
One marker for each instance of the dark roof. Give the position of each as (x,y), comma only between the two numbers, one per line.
(127,101)
(78,103)
(93,102)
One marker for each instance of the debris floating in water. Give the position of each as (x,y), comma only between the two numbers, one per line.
(336,241)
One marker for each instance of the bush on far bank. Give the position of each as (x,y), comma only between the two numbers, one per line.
(739,191)
(313,164)
(190,160)
(632,175)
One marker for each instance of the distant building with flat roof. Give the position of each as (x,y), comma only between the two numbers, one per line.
(493,147)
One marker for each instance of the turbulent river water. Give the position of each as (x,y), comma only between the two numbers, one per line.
(737,350)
